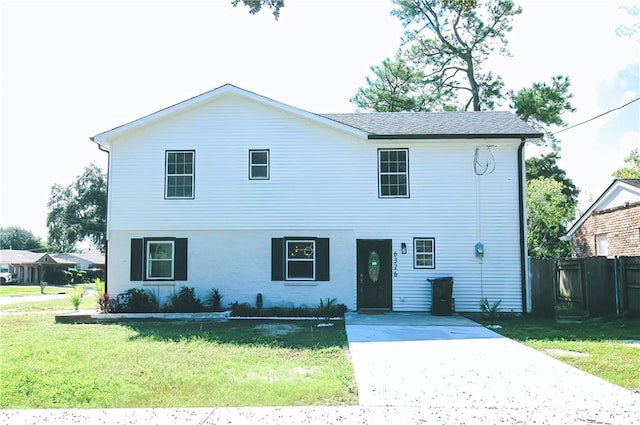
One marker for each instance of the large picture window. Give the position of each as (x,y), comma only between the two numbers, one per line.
(179,174)
(424,253)
(393,169)
(259,164)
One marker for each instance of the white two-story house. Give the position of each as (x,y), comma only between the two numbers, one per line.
(236,191)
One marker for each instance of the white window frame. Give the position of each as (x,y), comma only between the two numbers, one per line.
(396,173)
(602,244)
(424,255)
(190,175)
(253,165)
(312,260)
(149,261)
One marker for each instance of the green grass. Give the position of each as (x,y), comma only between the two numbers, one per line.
(59,304)
(603,343)
(172,364)
(10,290)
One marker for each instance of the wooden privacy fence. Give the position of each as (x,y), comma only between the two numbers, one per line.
(592,287)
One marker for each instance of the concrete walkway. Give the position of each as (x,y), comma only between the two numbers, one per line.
(415,369)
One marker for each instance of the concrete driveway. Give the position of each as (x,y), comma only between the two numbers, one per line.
(454,364)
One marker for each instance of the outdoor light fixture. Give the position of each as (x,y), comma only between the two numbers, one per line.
(404,247)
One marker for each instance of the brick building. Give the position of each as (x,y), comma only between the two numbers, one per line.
(611,226)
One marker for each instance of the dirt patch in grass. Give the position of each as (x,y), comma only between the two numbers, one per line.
(278,329)
(559,352)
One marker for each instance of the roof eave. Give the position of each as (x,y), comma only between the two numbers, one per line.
(454,136)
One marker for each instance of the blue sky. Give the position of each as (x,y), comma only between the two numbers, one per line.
(72,69)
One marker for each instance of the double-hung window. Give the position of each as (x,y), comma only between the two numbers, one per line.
(301,260)
(259,164)
(393,170)
(160,259)
(179,174)
(424,253)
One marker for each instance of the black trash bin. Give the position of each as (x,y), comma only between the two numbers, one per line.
(442,296)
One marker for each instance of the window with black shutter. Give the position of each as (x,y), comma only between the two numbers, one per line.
(154,259)
(300,259)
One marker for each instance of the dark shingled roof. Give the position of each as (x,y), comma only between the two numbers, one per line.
(438,125)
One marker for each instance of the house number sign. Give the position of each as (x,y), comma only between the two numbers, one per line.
(395,264)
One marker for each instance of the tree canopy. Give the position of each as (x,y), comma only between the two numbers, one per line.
(449,41)
(79,211)
(255,6)
(548,214)
(14,237)
(632,169)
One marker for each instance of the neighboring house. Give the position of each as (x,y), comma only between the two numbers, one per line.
(610,227)
(236,191)
(33,267)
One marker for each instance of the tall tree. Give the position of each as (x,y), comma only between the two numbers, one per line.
(396,87)
(449,40)
(79,211)
(255,6)
(552,199)
(546,166)
(547,218)
(632,170)
(542,106)
(14,237)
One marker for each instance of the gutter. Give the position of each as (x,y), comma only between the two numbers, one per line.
(452,136)
(524,269)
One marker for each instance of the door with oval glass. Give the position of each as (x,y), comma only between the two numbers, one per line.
(374,274)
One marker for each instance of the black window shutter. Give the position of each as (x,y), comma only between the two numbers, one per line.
(137,259)
(322,259)
(180,263)
(277,259)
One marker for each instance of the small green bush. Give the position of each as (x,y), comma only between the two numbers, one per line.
(183,301)
(214,300)
(136,300)
(76,295)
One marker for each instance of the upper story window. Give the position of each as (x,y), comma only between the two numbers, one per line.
(393,169)
(259,164)
(179,174)
(424,253)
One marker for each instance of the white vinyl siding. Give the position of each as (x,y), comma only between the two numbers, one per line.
(303,198)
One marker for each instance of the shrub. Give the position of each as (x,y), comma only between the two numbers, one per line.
(103,304)
(492,311)
(183,301)
(214,300)
(76,295)
(137,300)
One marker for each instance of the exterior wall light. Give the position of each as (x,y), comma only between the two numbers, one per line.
(403,247)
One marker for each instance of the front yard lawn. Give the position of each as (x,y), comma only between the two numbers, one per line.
(608,348)
(172,364)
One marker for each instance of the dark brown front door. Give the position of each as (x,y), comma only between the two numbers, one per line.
(374,274)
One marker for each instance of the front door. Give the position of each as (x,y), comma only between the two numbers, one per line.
(374,274)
